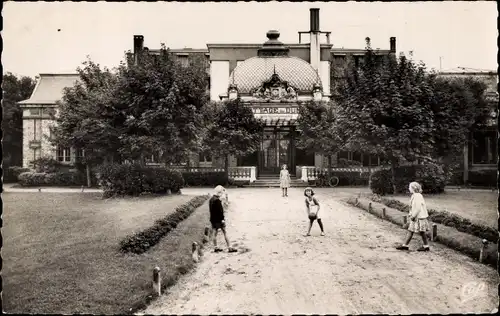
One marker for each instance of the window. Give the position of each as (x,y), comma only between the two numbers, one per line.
(154,158)
(343,155)
(80,153)
(35,111)
(370,160)
(183,60)
(366,160)
(357,157)
(484,148)
(34,130)
(205,157)
(63,154)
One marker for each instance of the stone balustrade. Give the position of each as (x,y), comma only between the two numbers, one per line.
(310,173)
(243,173)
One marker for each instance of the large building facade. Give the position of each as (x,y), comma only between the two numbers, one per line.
(272,78)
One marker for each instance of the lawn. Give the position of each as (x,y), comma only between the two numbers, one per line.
(476,205)
(60,251)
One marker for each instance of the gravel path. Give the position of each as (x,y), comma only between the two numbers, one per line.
(353,269)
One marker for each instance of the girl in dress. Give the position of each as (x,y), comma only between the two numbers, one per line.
(312,206)
(284,181)
(418,218)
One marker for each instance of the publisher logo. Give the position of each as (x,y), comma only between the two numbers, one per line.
(472,290)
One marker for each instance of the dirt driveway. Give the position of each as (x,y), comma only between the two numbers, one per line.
(353,269)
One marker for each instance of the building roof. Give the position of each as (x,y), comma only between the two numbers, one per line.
(49,88)
(468,71)
(251,73)
(273,59)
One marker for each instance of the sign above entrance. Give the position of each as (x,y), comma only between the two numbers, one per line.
(275,110)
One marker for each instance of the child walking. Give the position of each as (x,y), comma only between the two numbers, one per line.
(418,218)
(217,218)
(312,206)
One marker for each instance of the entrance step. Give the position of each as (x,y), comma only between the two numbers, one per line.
(275,183)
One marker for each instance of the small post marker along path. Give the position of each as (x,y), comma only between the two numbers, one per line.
(353,269)
(156,281)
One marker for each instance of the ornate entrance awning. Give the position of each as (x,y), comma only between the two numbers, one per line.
(277,120)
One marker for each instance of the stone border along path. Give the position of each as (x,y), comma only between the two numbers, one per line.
(353,269)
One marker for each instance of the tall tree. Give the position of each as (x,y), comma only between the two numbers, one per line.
(386,104)
(459,107)
(231,129)
(318,133)
(162,101)
(86,118)
(15,89)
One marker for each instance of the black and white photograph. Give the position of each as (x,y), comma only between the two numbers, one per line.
(251,158)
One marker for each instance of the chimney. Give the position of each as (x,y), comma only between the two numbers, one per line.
(314,46)
(138,47)
(393,45)
(314,20)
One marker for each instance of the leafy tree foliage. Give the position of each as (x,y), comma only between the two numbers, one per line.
(387,106)
(15,89)
(398,110)
(153,107)
(459,107)
(162,103)
(316,121)
(231,129)
(86,118)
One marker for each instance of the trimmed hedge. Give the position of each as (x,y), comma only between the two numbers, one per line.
(447,219)
(448,236)
(11,174)
(483,178)
(431,177)
(211,178)
(62,178)
(134,179)
(142,241)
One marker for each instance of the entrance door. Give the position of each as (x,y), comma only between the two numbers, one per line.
(276,150)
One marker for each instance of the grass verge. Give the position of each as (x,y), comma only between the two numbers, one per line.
(142,241)
(465,243)
(61,251)
(462,224)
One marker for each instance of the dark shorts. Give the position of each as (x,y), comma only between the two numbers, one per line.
(313,217)
(218,225)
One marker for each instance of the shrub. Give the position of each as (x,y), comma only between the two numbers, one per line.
(47,165)
(211,178)
(11,174)
(134,179)
(142,241)
(484,178)
(448,219)
(381,182)
(456,178)
(431,177)
(61,178)
(32,178)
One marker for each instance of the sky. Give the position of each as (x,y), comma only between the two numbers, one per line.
(460,34)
